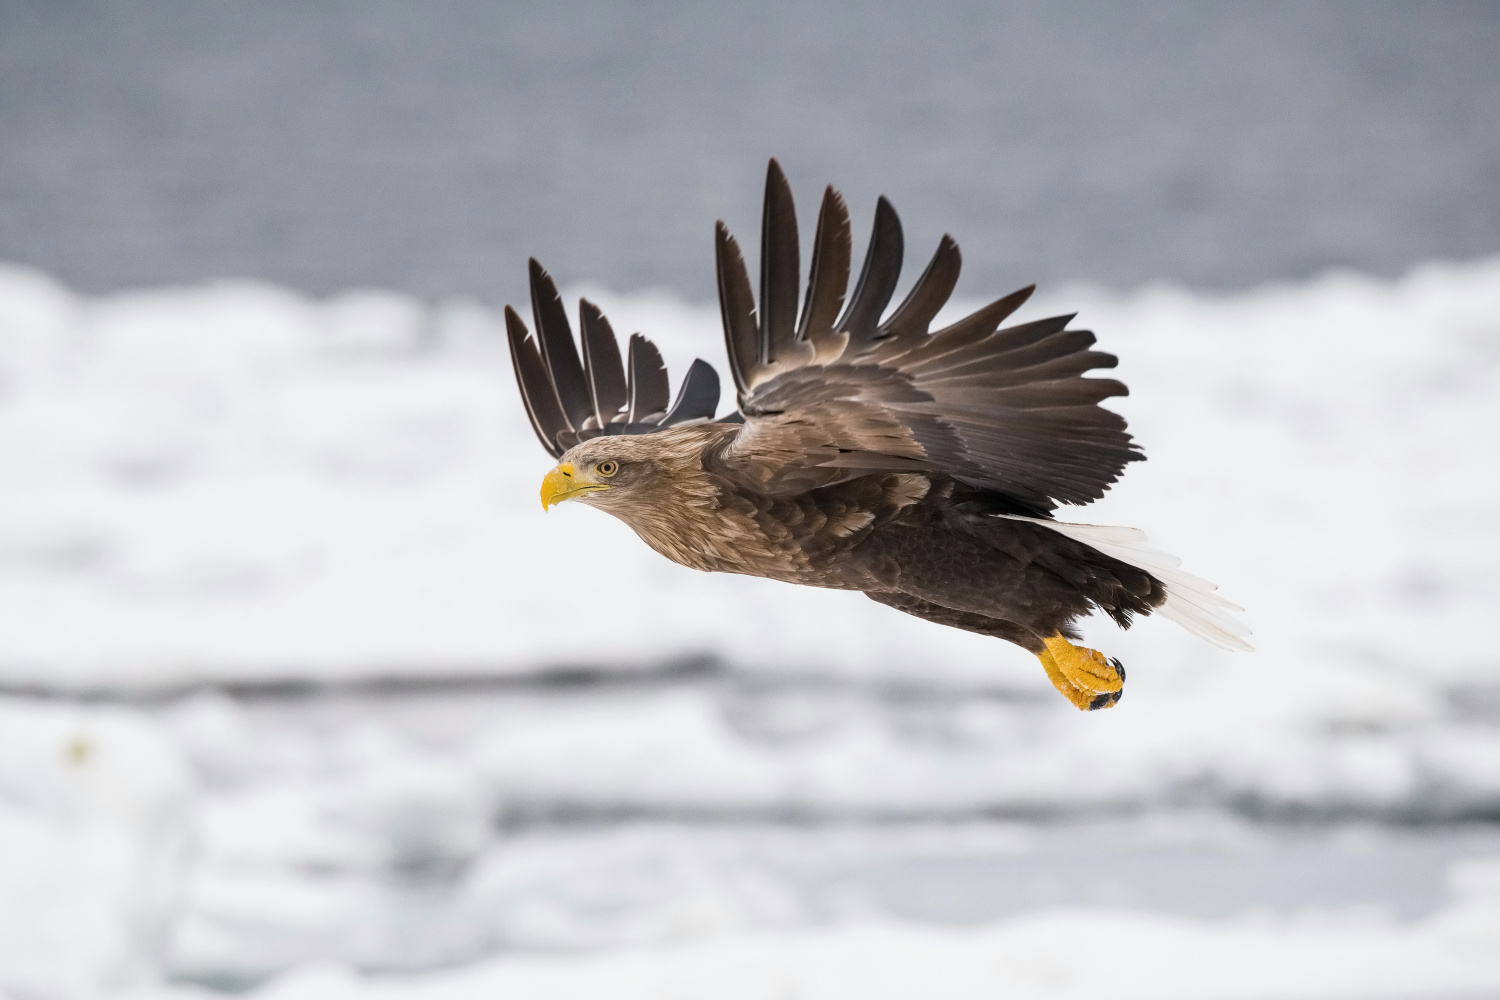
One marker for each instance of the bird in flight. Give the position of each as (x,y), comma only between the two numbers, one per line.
(867,452)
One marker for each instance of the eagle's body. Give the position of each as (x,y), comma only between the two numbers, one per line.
(922,543)
(867,454)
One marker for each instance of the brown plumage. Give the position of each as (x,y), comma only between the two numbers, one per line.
(868,454)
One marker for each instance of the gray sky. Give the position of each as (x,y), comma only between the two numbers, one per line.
(432,147)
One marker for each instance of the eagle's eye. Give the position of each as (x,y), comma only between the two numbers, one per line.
(607,468)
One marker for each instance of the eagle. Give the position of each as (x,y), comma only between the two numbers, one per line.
(867,452)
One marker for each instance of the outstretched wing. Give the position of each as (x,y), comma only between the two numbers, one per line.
(835,391)
(571,399)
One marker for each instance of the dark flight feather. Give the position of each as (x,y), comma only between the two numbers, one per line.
(962,334)
(601,363)
(556,338)
(913,317)
(537,390)
(780,270)
(828,279)
(736,308)
(877,280)
(699,396)
(649,389)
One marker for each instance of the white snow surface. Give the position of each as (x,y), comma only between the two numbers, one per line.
(235,483)
(1098,954)
(95,840)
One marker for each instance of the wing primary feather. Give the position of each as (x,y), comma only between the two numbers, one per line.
(538,394)
(558,350)
(601,363)
(956,340)
(1012,349)
(698,397)
(928,295)
(877,280)
(988,319)
(736,308)
(828,278)
(650,392)
(780,268)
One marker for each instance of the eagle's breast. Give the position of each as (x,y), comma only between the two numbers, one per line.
(711,524)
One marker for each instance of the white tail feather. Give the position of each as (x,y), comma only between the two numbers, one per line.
(1191,601)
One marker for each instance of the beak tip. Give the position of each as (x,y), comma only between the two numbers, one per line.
(554,490)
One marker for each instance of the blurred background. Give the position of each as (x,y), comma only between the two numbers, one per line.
(304,695)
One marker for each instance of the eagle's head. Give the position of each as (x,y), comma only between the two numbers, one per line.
(629,472)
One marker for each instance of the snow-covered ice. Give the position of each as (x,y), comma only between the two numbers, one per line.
(96,840)
(640,777)
(1060,954)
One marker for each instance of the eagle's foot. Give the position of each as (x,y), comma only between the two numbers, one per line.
(1086,677)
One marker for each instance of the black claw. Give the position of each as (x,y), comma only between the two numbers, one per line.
(1104,700)
(1114,661)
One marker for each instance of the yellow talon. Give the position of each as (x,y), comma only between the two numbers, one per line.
(1085,677)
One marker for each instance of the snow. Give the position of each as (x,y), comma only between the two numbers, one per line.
(96,831)
(1051,954)
(236,485)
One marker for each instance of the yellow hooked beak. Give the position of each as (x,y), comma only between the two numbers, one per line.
(564,483)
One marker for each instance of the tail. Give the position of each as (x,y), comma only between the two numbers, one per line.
(1191,601)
